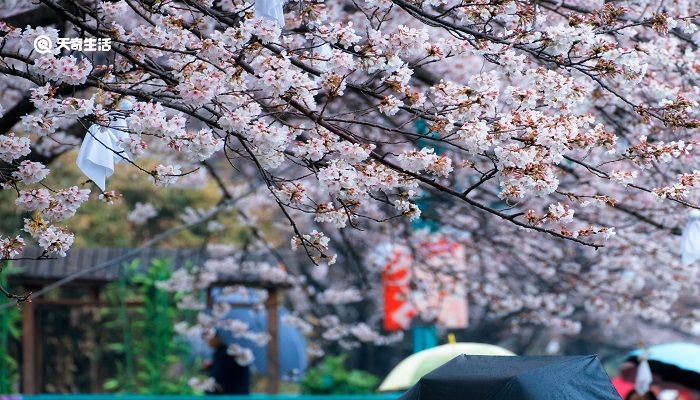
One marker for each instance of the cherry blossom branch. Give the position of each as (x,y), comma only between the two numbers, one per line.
(133,252)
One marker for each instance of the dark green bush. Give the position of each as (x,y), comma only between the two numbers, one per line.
(332,377)
(9,330)
(152,355)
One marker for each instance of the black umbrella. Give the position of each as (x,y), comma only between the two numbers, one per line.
(516,378)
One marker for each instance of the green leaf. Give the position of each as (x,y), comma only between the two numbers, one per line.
(116,347)
(111,384)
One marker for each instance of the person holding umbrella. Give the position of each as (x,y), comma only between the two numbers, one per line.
(636,396)
(230,376)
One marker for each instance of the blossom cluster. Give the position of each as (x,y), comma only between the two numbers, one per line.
(577,122)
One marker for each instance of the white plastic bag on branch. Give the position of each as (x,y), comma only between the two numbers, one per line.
(690,242)
(643,380)
(271,9)
(101,148)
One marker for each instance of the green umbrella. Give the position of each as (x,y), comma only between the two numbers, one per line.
(411,369)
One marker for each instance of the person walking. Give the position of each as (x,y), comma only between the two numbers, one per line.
(229,375)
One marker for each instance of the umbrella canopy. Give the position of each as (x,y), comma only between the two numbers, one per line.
(674,362)
(516,378)
(411,369)
(291,342)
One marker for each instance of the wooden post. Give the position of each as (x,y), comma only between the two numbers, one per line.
(95,356)
(38,351)
(273,367)
(28,349)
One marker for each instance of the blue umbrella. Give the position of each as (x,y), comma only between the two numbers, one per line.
(291,342)
(675,362)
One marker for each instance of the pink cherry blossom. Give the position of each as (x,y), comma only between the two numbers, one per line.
(30,172)
(13,147)
(141,213)
(34,199)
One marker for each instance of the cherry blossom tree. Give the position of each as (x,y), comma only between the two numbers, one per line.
(554,140)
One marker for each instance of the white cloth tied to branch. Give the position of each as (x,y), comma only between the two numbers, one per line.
(642,382)
(690,242)
(101,148)
(271,9)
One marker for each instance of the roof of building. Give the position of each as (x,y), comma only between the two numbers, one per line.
(102,265)
(108,260)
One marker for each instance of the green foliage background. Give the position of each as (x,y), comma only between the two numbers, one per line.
(9,330)
(100,225)
(153,359)
(332,377)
